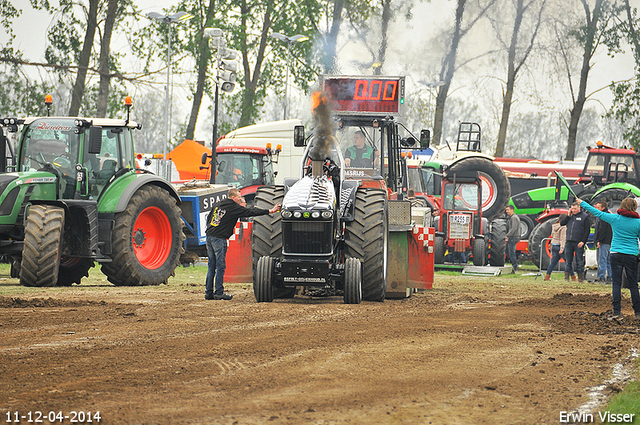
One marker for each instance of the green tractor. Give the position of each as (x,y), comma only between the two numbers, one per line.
(609,174)
(72,196)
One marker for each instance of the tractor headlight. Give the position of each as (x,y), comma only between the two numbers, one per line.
(297,214)
(315,214)
(286,214)
(327,214)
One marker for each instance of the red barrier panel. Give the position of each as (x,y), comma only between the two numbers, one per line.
(239,268)
(421,257)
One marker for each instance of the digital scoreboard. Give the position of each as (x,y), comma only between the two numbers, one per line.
(364,95)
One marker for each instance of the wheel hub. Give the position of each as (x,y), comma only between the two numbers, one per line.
(139,238)
(152,238)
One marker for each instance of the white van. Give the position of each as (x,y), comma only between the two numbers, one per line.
(276,133)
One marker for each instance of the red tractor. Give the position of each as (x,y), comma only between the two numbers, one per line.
(460,227)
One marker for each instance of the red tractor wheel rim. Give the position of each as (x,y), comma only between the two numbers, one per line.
(488,192)
(547,248)
(151,238)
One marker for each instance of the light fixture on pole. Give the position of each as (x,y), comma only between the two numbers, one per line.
(174,18)
(298,38)
(226,68)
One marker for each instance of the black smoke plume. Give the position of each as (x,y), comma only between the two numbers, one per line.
(323,140)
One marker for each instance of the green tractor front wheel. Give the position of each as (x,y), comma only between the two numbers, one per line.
(147,240)
(42,246)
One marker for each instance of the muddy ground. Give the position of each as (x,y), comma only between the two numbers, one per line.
(471,351)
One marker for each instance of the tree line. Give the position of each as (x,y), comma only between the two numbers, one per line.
(520,45)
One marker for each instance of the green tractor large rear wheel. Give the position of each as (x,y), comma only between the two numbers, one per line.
(147,240)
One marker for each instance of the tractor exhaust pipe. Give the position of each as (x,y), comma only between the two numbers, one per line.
(316,168)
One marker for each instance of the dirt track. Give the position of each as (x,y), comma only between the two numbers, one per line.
(446,356)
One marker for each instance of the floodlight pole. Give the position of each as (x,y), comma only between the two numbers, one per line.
(167,100)
(298,38)
(214,139)
(174,18)
(286,82)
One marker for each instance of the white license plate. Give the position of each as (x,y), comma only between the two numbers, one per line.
(459,219)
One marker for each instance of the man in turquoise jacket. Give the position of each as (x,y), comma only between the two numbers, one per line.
(624,251)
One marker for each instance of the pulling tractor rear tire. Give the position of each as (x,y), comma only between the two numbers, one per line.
(366,239)
(267,235)
(42,246)
(147,240)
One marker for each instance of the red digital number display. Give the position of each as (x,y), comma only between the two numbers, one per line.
(365,95)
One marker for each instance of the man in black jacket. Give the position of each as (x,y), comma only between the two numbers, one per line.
(220,224)
(578,229)
(602,239)
(513,237)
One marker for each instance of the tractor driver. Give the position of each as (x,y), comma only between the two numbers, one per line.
(360,154)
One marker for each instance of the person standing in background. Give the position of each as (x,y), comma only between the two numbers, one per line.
(602,240)
(578,229)
(558,238)
(513,237)
(624,252)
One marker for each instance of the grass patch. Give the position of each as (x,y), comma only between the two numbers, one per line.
(628,401)
(186,278)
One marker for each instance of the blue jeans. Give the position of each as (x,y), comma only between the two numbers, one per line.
(511,252)
(630,265)
(604,263)
(555,257)
(570,250)
(217,252)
